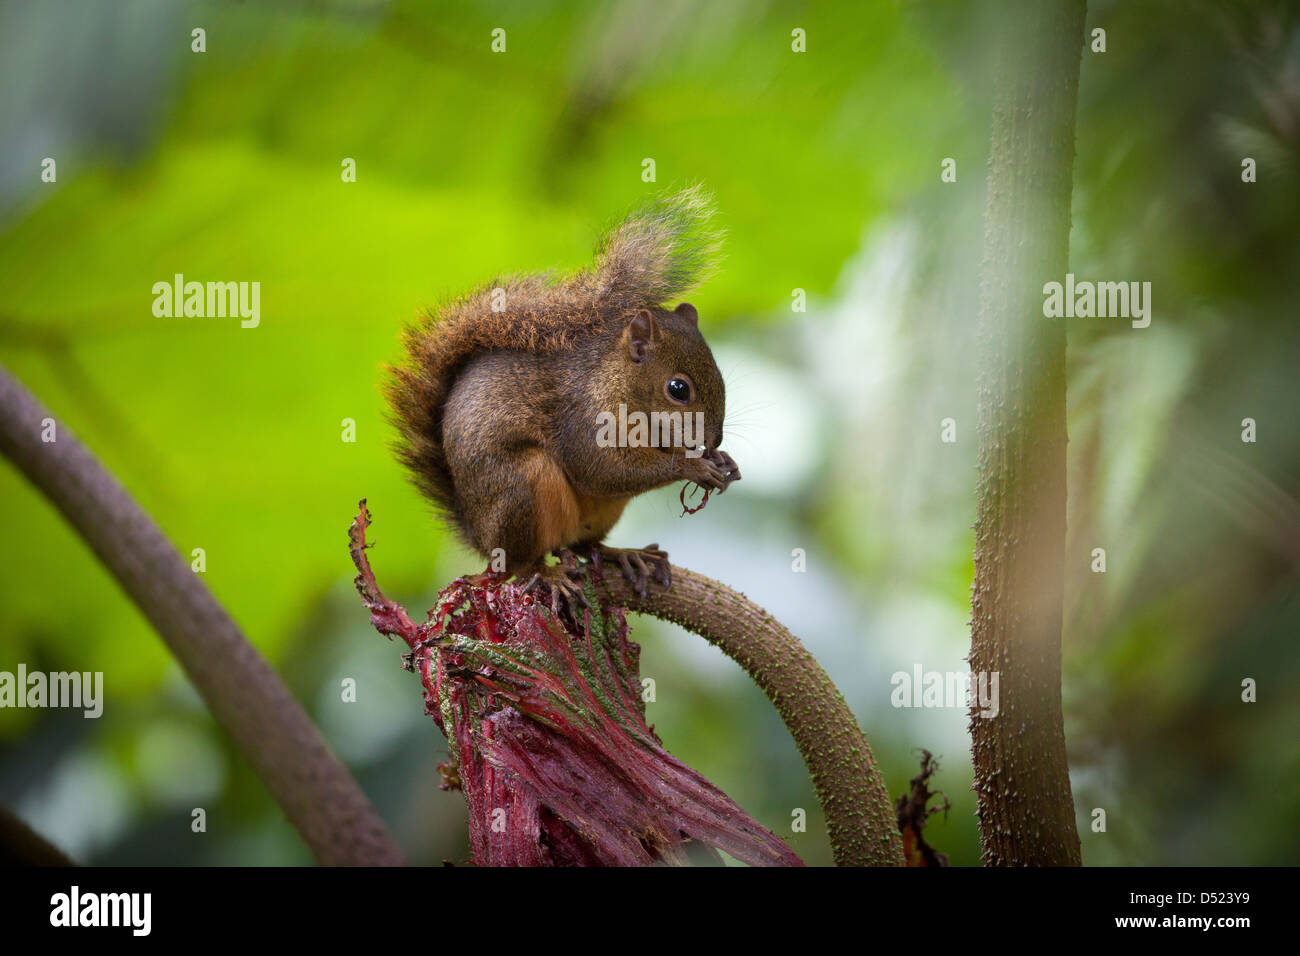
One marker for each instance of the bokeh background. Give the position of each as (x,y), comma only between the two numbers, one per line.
(225,165)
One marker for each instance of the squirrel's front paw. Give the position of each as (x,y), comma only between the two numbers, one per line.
(640,565)
(559,581)
(714,470)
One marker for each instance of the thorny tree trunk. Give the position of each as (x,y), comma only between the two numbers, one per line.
(1021,773)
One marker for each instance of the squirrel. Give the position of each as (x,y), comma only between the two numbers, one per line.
(501,396)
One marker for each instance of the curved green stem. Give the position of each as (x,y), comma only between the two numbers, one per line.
(859,814)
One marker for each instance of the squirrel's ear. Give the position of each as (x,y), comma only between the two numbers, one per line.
(687,311)
(639,335)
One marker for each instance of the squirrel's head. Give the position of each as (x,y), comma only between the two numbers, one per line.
(671,369)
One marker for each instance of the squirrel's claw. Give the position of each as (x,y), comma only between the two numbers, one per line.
(640,566)
(727,465)
(714,470)
(563,589)
(568,560)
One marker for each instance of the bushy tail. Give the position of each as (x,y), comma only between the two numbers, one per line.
(660,251)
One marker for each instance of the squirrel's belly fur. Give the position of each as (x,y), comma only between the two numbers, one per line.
(511,489)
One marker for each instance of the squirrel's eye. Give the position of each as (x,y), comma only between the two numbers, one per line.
(679,390)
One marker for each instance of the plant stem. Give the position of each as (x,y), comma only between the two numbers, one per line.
(859,814)
(1022,775)
(247,697)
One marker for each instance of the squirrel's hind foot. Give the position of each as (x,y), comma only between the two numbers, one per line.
(640,565)
(558,581)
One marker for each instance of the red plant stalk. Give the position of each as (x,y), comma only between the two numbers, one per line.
(548,736)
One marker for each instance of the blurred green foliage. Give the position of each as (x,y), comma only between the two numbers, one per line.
(225,165)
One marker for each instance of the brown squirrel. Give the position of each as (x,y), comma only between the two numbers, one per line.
(501,397)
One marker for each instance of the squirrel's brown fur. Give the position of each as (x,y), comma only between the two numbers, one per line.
(658,252)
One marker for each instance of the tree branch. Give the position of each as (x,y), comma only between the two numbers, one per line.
(245,695)
(859,813)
